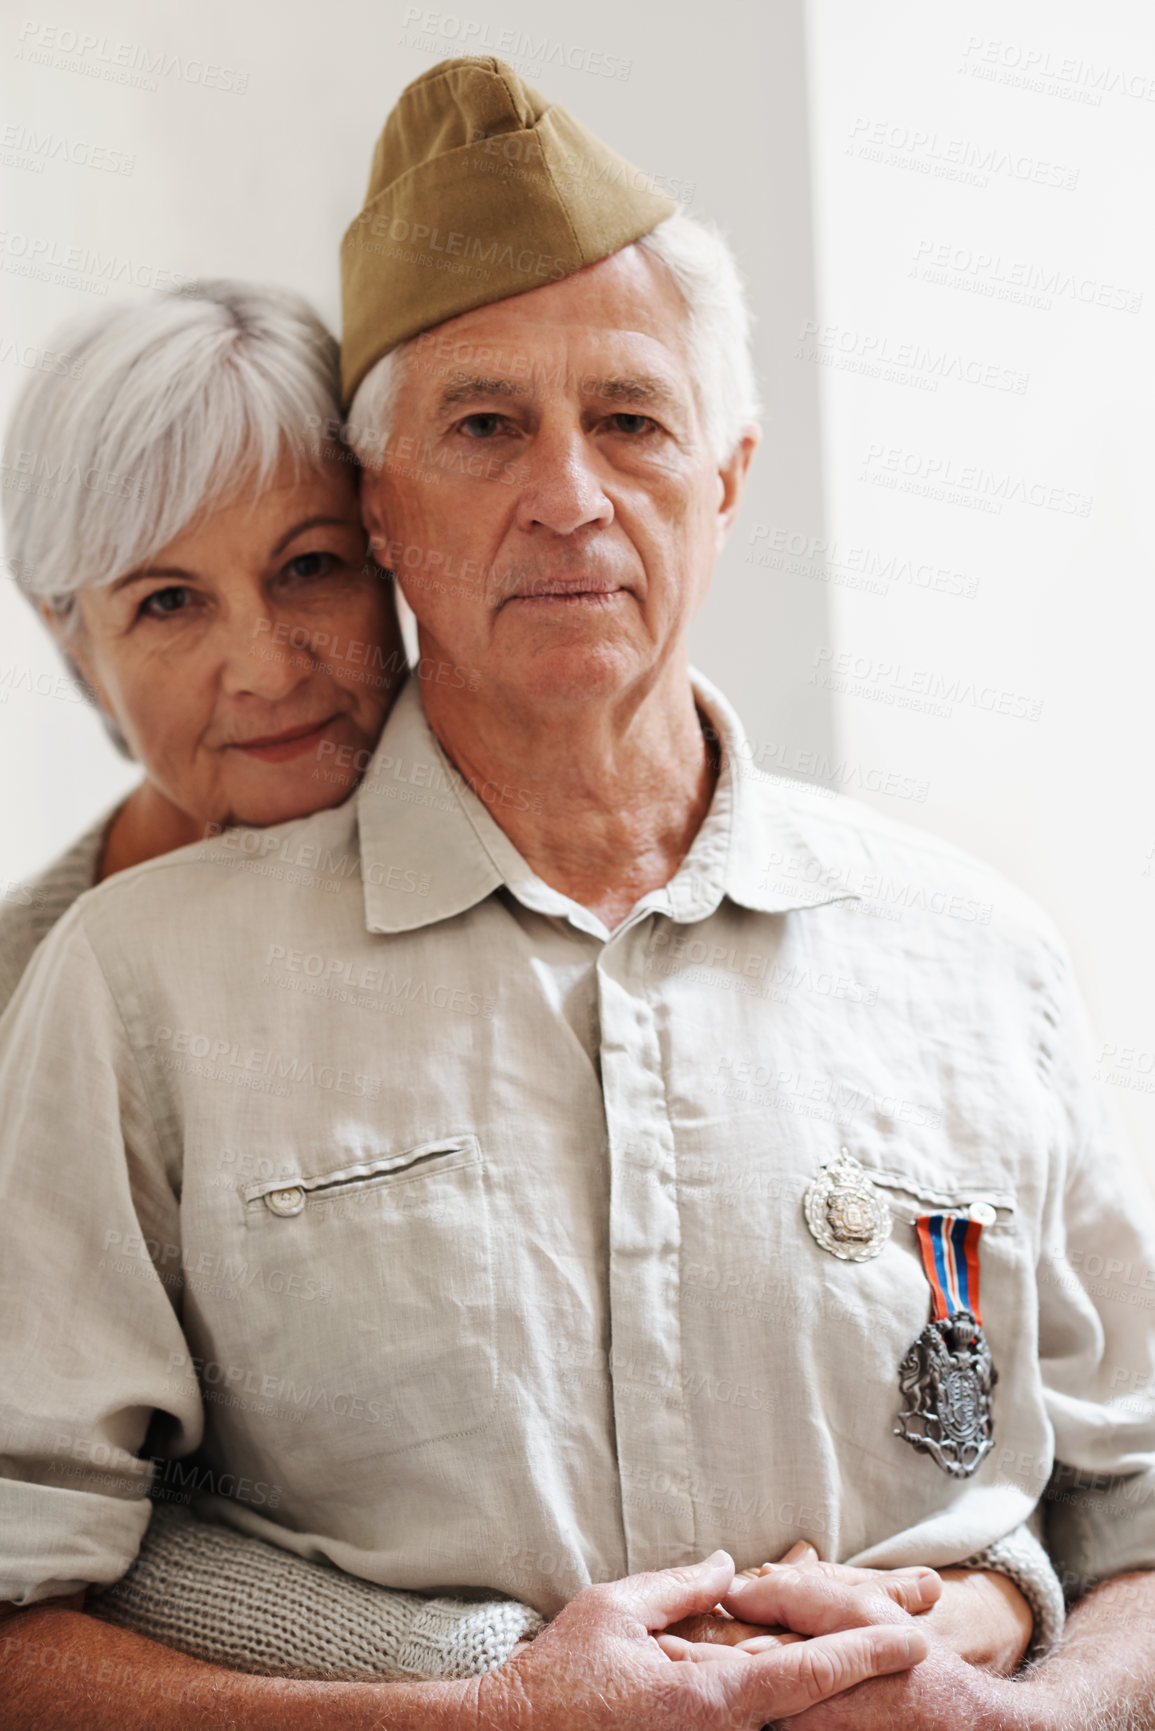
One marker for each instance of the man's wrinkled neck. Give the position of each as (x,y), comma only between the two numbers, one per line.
(602,799)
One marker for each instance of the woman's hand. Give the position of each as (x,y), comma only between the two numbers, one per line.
(978,1615)
(983,1618)
(755,1611)
(719,1628)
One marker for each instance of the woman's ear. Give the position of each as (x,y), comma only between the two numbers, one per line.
(69,634)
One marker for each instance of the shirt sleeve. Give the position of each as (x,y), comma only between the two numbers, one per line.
(1096,1282)
(90,1344)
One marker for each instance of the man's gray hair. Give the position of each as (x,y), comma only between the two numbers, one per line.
(156,413)
(704,270)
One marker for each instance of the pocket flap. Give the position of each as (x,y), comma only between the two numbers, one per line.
(957,1196)
(447,1151)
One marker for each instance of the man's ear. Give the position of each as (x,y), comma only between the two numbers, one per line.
(732,476)
(373,515)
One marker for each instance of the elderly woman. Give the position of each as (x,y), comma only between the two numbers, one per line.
(199,557)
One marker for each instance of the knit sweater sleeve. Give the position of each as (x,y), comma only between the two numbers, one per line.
(1021,1557)
(29,910)
(237,1602)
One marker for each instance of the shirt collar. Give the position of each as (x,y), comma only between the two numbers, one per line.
(432,848)
(790,846)
(421,860)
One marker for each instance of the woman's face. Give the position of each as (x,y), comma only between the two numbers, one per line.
(251,662)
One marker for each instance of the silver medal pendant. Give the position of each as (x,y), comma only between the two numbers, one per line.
(845,1213)
(946,1380)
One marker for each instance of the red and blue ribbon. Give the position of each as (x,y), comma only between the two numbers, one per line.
(950,1255)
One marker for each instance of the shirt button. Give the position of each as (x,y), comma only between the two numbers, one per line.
(984,1212)
(291,1200)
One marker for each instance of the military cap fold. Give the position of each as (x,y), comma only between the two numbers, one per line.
(479,189)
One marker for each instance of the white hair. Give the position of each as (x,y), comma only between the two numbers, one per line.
(163,410)
(705,272)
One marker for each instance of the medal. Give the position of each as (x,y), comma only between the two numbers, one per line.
(845,1213)
(947,1376)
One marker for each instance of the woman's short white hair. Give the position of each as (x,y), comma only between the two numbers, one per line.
(705,271)
(163,410)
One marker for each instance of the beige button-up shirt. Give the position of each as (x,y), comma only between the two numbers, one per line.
(412,1219)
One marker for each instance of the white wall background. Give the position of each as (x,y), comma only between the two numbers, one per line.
(927,454)
(925,126)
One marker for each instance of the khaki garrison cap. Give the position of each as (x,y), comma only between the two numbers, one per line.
(479,190)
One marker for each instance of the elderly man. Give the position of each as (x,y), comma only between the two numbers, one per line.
(609,1185)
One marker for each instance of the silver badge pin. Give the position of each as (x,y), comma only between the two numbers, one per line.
(846,1214)
(947,1376)
(946,1380)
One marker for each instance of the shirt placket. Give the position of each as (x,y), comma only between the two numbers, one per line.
(644,1271)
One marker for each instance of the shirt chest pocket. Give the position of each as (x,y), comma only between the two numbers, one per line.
(908,1197)
(375,1315)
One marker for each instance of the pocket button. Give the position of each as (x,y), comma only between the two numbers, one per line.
(984,1212)
(291,1200)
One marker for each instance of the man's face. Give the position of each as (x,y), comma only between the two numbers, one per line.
(547,498)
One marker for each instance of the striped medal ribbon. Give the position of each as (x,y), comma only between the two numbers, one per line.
(947,1376)
(950,1255)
